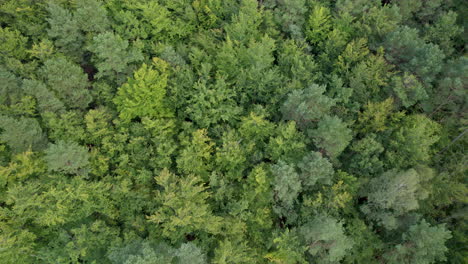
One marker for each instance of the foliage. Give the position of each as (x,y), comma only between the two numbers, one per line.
(332,135)
(184,208)
(22,134)
(211,131)
(325,239)
(143,96)
(67,157)
(421,244)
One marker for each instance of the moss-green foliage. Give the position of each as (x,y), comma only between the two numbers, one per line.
(228,132)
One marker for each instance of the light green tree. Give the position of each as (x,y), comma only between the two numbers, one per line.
(144,94)
(184,207)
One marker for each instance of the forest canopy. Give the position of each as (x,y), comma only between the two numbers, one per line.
(233,131)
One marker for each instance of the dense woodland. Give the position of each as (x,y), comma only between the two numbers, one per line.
(231,132)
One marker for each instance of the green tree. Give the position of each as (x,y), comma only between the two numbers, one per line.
(22,134)
(67,157)
(288,249)
(213,104)
(65,31)
(410,53)
(319,24)
(412,142)
(325,239)
(288,143)
(9,87)
(197,155)
(113,56)
(366,156)
(144,94)
(395,193)
(233,252)
(46,99)
(408,89)
(307,106)
(286,188)
(67,126)
(315,169)
(184,207)
(332,135)
(68,81)
(421,244)
(91,16)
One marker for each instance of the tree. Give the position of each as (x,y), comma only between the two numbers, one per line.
(65,31)
(232,252)
(144,95)
(13,44)
(213,104)
(332,135)
(147,252)
(288,249)
(319,24)
(287,186)
(9,87)
(113,56)
(315,169)
(393,194)
(288,143)
(68,81)
(91,16)
(231,156)
(422,243)
(408,89)
(46,99)
(378,116)
(67,157)
(365,159)
(325,239)
(411,143)
(184,207)
(307,106)
(22,134)
(290,17)
(411,54)
(196,157)
(141,252)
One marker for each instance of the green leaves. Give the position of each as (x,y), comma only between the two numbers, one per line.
(394,194)
(67,157)
(22,134)
(319,24)
(184,207)
(112,56)
(332,135)
(144,94)
(68,82)
(412,142)
(325,239)
(307,106)
(421,244)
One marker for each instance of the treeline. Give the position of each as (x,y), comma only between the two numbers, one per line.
(230,132)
